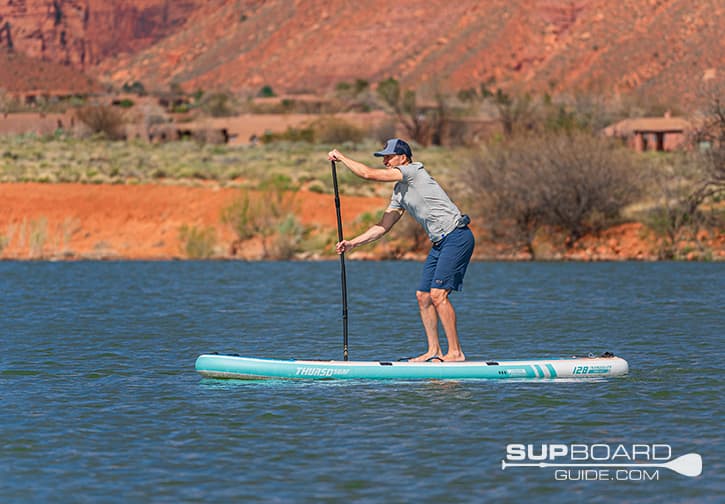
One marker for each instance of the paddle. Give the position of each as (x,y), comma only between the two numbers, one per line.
(342,263)
(687,465)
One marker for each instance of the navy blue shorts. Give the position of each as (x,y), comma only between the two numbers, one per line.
(447,261)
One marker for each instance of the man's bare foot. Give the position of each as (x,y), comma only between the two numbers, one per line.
(449,357)
(426,356)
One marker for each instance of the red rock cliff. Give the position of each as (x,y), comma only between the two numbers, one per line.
(84,32)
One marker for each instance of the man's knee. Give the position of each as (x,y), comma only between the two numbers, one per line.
(438,296)
(424,299)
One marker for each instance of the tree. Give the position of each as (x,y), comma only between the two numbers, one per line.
(709,139)
(692,178)
(676,183)
(515,112)
(422,125)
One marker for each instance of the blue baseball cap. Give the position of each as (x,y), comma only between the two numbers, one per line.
(395,146)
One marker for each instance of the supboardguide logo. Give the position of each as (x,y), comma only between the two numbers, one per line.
(602,462)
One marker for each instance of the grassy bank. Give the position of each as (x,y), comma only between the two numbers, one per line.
(662,204)
(55,159)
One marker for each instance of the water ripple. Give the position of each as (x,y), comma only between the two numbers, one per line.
(101,402)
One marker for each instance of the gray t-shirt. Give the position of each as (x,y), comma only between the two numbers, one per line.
(421,196)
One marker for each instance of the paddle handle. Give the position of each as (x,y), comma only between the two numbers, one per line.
(343,276)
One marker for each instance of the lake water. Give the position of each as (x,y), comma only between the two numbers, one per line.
(101,403)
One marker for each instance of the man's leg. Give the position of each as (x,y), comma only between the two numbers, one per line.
(429,317)
(447,315)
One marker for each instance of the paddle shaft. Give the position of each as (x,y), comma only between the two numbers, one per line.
(342,263)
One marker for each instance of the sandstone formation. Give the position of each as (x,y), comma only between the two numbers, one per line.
(658,49)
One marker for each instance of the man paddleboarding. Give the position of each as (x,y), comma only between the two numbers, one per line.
(416,192)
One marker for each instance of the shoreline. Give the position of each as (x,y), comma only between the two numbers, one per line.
(142,222)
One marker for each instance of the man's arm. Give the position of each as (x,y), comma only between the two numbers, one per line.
(365,172)
(390,217)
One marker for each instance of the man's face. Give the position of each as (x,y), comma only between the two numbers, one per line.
(392,160)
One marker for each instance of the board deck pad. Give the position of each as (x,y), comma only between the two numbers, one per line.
(254,368)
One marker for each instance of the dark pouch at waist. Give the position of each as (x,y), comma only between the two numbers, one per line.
(464,221)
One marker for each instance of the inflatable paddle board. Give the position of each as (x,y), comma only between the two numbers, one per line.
(252,368)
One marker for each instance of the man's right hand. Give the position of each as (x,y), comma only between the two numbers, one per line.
(344,246)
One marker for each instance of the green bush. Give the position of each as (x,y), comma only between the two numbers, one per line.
(289,237)
(332,130)
(241,215)
(267,216)
(266,92)
(290,135)
(317,187)
(277,183)
(197,243)
(134,87)
(38,237)
(126,103)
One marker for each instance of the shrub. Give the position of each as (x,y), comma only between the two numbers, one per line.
(677,214)
(290,135)
(348,90)
(4,102)
(240,215)
(288,238)
(332,130)
(278,183)
(265,216)
(266,92)
(573,182)
(580,112)
(317,187)
(102,119)
(134,87)
(38,237)
(197,243)
(218,104)
(343,87)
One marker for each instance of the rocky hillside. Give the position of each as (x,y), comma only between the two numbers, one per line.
(82,33)
(21,74)
(662,49)
(43,43)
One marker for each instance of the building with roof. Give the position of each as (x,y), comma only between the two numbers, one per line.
(651,133)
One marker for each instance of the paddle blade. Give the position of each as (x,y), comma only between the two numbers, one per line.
(687,465)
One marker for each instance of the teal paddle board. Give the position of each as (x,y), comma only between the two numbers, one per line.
(253,368)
